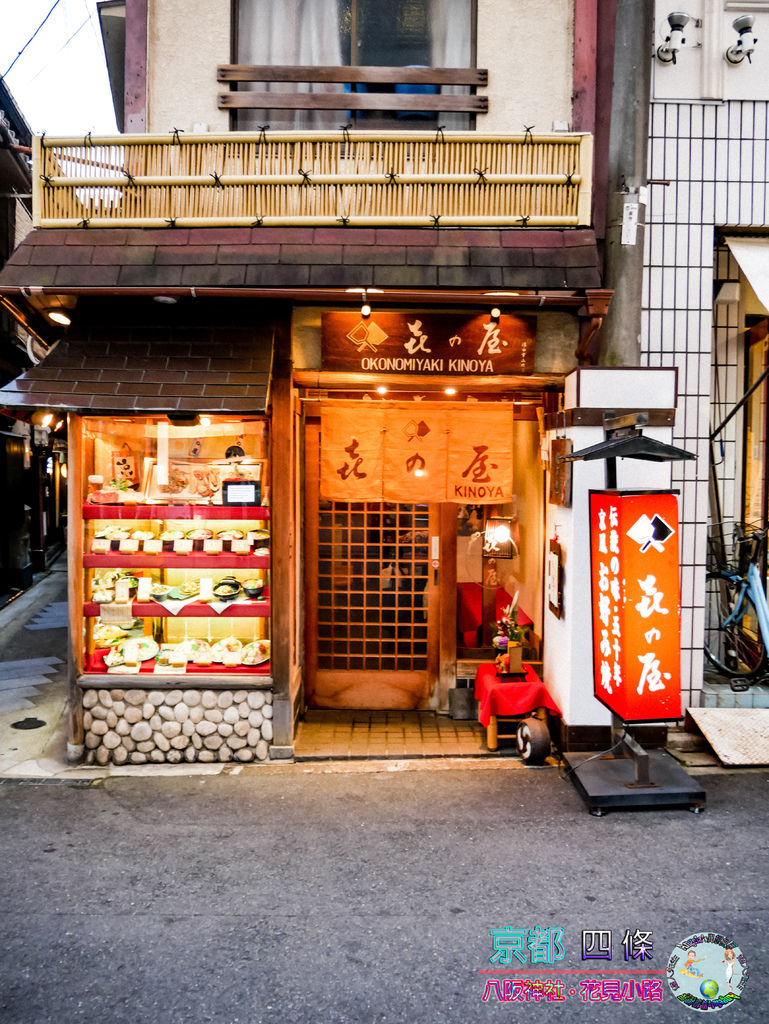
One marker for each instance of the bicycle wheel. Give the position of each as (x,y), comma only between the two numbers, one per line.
(733,641)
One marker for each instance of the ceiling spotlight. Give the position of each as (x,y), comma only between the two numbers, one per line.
(495,315)
(58,316)
(746,43)
(675,39)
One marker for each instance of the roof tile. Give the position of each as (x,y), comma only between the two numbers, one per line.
(133,255)
(186,254)
(150,276)
(97,277)
(380,255)
(310,254)
(87,236)
(216,276)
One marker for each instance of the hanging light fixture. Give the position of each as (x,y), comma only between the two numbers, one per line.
(58,316)
(495,314)
(498,538)
(365,309)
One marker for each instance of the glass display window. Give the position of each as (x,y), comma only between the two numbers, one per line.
(176,547)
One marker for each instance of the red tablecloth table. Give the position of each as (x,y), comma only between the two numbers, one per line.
(497,697)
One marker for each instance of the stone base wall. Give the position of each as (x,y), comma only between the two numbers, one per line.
(171,726)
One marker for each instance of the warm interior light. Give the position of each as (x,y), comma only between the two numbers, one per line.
(205,421)
(63,470)
(381,390)
(449,391)
(47,420)
(59,425)
(498,538)
(501,533)
(58,317)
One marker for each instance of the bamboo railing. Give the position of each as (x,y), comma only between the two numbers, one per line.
(319,178)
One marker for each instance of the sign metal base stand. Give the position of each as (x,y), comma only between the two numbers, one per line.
(633,779)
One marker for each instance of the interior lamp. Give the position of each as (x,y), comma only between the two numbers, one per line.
(498,538)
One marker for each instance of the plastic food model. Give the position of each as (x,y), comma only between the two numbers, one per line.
(170,517)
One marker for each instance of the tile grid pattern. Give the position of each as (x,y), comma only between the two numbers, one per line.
(306,257)
(375,734)
(714,157)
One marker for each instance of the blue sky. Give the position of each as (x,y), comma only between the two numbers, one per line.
(60,81)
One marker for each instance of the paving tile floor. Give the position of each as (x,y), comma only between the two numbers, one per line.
(362,734)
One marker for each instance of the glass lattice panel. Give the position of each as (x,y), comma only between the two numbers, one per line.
(372,582)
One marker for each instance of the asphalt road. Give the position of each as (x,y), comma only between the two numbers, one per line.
(302,895)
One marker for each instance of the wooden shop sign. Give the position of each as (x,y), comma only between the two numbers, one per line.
(438,344)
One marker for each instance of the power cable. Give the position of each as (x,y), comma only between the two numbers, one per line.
(48,15)
(62,47)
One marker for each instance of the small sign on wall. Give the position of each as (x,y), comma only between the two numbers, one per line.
(554,578)
(560,472)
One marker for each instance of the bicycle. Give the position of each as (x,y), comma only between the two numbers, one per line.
(736,609)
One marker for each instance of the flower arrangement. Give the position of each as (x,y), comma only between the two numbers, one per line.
(508,630)
(509,638)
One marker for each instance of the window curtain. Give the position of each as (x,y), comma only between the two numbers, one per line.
(450,48)
(286,32)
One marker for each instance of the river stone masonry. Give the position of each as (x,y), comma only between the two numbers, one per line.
(171,726)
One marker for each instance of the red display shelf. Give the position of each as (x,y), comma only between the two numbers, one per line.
(226,560)
(232,512)
(193,610)
(96,665)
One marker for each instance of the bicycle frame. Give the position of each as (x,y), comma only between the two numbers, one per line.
(753,587)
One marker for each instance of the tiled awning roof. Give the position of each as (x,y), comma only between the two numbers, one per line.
(187,360)
(253,258)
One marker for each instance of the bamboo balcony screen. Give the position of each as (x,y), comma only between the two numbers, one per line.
(343,177)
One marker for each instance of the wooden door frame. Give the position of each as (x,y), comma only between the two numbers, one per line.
(441,597)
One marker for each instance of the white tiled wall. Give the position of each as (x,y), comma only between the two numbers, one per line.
(715,159)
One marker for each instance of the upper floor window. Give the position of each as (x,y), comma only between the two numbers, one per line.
(355,33)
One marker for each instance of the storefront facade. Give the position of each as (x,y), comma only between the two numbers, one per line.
(378,319)
(354,611)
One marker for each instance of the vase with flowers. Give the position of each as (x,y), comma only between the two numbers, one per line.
(508,641)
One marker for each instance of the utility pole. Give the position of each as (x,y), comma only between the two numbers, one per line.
(628,145)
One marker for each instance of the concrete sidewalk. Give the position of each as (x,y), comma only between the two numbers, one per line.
(33,678)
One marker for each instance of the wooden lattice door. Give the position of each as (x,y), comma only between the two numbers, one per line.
(371,601)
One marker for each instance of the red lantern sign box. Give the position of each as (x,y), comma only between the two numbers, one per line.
(636,604)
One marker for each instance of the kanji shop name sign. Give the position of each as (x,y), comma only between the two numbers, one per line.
(636,604)
(430,343)
(417,452)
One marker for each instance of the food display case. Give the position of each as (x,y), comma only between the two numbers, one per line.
(175,552)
